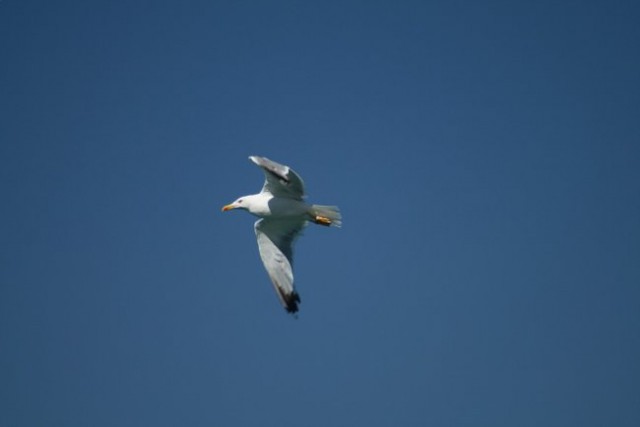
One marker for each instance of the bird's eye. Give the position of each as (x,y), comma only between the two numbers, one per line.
(240,201)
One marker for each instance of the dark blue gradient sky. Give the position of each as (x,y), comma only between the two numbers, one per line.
(486,159)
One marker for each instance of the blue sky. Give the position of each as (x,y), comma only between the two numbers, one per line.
(485,156)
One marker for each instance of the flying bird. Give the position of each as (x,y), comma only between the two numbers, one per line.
(283,214)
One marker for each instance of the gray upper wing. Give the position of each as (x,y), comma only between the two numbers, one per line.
(281,180)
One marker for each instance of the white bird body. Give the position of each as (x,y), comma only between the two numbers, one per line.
(266,205)
(283,214)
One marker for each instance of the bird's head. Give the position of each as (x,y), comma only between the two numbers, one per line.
(240,203)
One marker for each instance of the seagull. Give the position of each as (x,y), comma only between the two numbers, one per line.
(283,215)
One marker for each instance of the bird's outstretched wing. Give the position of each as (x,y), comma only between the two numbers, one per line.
(275,243)
(281,180)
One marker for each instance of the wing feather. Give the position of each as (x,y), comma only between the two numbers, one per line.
(280,180)
(275,243)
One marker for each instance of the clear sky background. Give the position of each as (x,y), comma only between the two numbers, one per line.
(486,159)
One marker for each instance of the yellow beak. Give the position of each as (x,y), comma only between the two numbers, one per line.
(227,208)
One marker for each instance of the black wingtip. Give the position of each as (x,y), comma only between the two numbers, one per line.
(292,300)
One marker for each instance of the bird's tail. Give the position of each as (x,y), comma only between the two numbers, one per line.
(326,215)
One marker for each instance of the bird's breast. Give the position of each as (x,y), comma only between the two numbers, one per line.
(281,207)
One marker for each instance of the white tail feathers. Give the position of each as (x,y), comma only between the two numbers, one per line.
(332,213)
